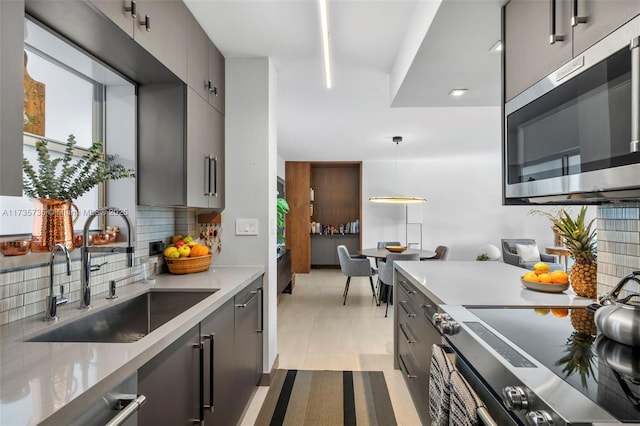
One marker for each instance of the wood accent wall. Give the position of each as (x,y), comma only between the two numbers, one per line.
(337,194)
(298,239)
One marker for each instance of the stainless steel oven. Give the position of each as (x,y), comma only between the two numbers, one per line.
(542,366)
(573,136)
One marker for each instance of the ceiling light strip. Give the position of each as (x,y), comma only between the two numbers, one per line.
(324,20)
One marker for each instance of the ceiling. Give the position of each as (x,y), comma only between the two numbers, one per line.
(393,61)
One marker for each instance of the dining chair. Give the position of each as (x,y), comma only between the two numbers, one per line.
(385,272)
(354,266)
(442,253)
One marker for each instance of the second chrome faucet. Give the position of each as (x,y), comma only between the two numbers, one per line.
(85,273)
(51,310)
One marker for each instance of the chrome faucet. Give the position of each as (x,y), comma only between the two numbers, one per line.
(51,310)
(85,290)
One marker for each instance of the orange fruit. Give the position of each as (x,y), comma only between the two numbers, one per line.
(531,276)
(545,278)
(560,312)
(541,268)
(559,277)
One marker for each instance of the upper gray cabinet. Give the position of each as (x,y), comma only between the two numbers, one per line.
(11,96)
(205,67)
(602,17)
(159,26)
(542,35)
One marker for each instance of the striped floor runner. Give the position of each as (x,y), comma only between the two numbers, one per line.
(327,398)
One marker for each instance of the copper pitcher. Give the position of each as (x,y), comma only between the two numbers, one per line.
(52,224)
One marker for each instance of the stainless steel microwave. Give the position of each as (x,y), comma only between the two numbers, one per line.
(573,137)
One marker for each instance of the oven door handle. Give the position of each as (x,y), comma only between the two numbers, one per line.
(483,414)
(635,94)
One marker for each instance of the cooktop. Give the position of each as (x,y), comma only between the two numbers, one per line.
(566,341)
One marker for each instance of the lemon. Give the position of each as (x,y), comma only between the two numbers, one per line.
(169,250)
(541,268)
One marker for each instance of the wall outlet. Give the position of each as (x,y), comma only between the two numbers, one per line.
(156,247)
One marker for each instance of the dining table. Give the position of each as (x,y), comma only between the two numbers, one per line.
(381,253)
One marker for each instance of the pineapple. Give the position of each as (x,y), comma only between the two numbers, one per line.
(583,322)
(579,356)
(580,239)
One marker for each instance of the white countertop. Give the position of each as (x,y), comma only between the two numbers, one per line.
(50,383)
(474,283)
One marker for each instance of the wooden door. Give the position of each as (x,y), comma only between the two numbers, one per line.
(298,223)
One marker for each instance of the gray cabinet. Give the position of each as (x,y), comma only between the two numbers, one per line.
(324,248)
(171,381)
(180,148)
(248,339)
(603,17)
(219,367)
(210,373)
(11,96)
(159,26)
(528,54)
(413,337)
(205,154)
(205,67)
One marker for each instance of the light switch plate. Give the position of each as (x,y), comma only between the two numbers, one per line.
(246,226)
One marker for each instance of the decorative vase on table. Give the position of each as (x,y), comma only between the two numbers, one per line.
(580,240)
(56,182)
(52,224)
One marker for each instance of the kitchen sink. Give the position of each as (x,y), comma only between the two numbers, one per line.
(128,321)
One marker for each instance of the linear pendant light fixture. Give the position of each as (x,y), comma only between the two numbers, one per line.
(397,199)
(324,21)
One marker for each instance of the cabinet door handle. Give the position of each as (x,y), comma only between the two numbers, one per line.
(215,90)
(635,94)
(575,18)
(212,339)
(146,23)
(403,367)
(254,293)
(406,310)
(131,9)
(553,37)
(408,338)
(127,411)
(215,176)
(200,347)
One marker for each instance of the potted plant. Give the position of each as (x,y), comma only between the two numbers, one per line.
(58,182)
(580,240)
(282,209)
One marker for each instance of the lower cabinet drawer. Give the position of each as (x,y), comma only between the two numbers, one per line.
(416,378)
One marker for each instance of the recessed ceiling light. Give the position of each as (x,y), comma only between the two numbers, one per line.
(457,92)
(497,47)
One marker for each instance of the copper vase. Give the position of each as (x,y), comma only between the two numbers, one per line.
(52,224)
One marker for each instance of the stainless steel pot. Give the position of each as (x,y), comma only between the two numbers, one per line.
(623,359)
(619,319)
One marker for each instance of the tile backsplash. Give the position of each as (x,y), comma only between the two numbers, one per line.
(23,291)
(618,245)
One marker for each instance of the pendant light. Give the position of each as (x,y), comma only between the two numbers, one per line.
(395,199)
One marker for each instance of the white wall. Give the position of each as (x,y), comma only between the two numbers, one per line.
(464,207)
(250,178)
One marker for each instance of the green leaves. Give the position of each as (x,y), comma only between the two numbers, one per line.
(66,178)
(282,209)
(580,238)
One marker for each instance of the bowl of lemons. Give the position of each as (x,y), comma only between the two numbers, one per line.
(542,279)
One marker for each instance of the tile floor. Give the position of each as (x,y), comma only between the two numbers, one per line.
(316,332)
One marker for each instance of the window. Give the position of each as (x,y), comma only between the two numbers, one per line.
(65,93)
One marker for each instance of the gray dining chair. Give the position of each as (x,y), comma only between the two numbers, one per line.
(442,253)
(385,272)
(354,266)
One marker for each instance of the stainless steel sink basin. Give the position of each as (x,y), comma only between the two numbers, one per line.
(128,321)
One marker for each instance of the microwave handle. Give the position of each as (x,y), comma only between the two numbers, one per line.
(553,37)
(635,94)
(575,16)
